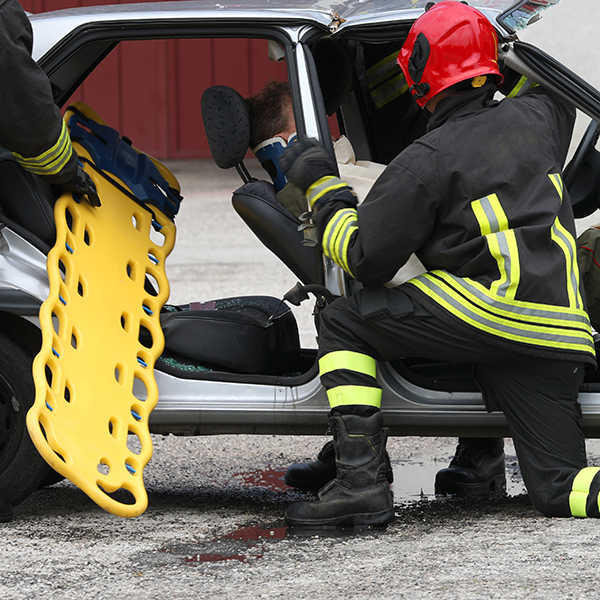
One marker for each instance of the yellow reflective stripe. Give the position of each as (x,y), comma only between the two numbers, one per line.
(502,244)
(388,91)
(519,87)
(484,320)
(320,187)
(566,243)
(336,237)
(515,265)
(382,70)
(354,394)
(345,359)
(580,491)
(556,179)
(51,161)
(545,314)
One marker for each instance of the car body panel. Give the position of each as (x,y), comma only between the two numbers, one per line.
(51,27)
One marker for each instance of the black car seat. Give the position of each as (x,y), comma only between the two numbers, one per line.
(227,124)
(26,203)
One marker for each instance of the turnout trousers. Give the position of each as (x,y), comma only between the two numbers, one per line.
(537,395)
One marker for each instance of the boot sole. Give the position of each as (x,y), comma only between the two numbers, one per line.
(382,517)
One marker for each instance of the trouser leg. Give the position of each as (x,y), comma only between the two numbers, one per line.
(538,396)
(385,324)
(539,399)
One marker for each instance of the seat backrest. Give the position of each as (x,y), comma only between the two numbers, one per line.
(277,229)
(26,199)
(226,119)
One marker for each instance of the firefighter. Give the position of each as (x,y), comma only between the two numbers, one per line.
(480,200)
(31,126)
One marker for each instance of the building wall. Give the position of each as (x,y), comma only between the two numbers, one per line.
(150,90)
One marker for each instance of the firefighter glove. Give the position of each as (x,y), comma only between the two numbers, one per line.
(305,162)
(82,185)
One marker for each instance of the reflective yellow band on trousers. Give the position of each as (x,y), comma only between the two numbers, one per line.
(345,359)
(354,394)
(51,161)
(320,187)
(581,490)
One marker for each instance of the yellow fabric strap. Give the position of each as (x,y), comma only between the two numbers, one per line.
(53,160)
(580,491)
(380,71)
(345,359)
(354,394)
(320,187)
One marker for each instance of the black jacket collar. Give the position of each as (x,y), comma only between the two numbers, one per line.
(470,101)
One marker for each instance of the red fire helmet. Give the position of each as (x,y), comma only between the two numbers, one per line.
(449,43)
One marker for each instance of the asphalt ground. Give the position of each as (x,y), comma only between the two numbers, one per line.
(214,526)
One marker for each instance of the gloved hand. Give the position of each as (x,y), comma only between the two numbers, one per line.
(82,185)
(305,162)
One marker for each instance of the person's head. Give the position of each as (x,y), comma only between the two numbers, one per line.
(271,113)
(272,127)
(451,45)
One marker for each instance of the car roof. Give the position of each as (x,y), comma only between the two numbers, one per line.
(50,27)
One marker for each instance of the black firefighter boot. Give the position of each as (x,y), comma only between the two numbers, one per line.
(360,493)
(477,469)
(312,476)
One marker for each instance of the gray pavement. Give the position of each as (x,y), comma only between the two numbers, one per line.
(214,525)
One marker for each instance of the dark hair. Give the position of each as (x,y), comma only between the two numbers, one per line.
(269,111)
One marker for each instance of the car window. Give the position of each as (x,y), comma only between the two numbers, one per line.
(150,90)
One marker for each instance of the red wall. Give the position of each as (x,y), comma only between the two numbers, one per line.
(150,90)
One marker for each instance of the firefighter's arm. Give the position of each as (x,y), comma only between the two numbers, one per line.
(31,125)
(332,201)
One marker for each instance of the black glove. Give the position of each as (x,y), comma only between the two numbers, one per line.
(305,161)
(82,185)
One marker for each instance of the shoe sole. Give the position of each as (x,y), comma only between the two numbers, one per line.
(382,517)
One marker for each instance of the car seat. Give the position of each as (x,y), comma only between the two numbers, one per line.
(227,124)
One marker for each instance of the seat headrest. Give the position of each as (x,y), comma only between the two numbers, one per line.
(226,118)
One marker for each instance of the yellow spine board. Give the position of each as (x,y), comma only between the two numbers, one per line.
(94,376)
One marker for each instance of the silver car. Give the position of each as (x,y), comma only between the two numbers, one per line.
(272,386)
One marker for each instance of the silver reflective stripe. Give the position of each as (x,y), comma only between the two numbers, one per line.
(542,314)
(567,246)
(504,286)
(472,311)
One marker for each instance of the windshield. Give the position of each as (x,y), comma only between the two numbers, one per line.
(518,17)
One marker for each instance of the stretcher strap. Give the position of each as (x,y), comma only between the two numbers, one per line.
(94,376)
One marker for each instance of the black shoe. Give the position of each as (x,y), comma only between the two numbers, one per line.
(312,476)
(6,512)
(360,493)
(477,469)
